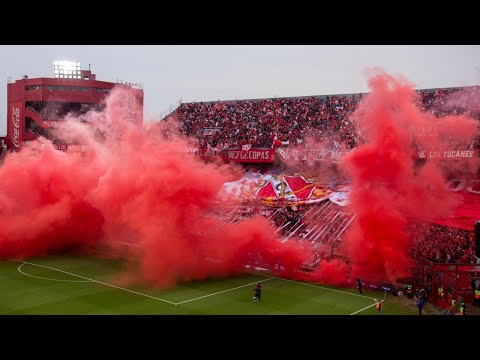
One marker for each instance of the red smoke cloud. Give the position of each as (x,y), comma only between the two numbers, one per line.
(387,189)
(134,191)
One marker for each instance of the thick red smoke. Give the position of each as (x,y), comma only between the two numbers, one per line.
(134,191)
(388,189)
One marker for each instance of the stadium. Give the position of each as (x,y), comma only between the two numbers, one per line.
(308,196)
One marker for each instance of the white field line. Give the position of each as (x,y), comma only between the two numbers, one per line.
(44,278)
(365,308)
(219,292)
(96,281)
(182,302)
(318,286)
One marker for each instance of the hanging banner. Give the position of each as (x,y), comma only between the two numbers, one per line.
(207,153)
(252,155)
(311,155)
(448,154)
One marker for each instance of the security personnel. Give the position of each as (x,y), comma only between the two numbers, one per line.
(409,291)
(453,302)
(462,309)
(440,292)
(378,306)
(476,300)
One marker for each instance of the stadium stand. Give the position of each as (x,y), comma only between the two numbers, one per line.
(259,121)
(325,118)
(442,244)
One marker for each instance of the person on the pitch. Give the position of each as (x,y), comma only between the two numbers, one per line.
(378,306)
(258,292)
(359,285)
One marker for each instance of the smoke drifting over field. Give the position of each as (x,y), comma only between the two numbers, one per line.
(135,191)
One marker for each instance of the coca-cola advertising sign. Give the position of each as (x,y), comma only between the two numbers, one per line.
(15,116)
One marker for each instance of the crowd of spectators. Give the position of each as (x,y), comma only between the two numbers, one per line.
(442,244)
(288,218)
(259,122)
(324,118)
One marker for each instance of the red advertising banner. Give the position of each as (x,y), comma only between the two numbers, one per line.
(252,155)
(62,147)
(70,147)
(235,154)
(15,125)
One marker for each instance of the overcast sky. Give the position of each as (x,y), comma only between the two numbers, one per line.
(196,73)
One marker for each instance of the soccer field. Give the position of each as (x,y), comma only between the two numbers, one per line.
(86,285)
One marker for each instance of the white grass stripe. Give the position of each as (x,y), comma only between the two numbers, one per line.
(44,278)
(365,308)
(219,292)
(95,281)
(321,287)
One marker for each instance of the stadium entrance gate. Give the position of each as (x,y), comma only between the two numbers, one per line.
(456,280)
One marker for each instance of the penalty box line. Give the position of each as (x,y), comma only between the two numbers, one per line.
(318,286)
(136,292)
(224,291)
(321,287)
(96,281)
(365,308)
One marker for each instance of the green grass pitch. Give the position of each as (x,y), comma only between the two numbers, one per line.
(85,285)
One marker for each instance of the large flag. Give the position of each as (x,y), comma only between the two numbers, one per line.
(341,196)
(290,190)
(468,209)
(282,189)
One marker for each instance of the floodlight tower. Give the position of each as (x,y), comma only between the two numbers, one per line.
(67,70)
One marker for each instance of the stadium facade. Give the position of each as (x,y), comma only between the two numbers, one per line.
(36,106)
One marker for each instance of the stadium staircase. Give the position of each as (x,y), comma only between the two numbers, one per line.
(29,112)
(321,224)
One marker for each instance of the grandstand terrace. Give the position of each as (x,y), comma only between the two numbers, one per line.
(322,117)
